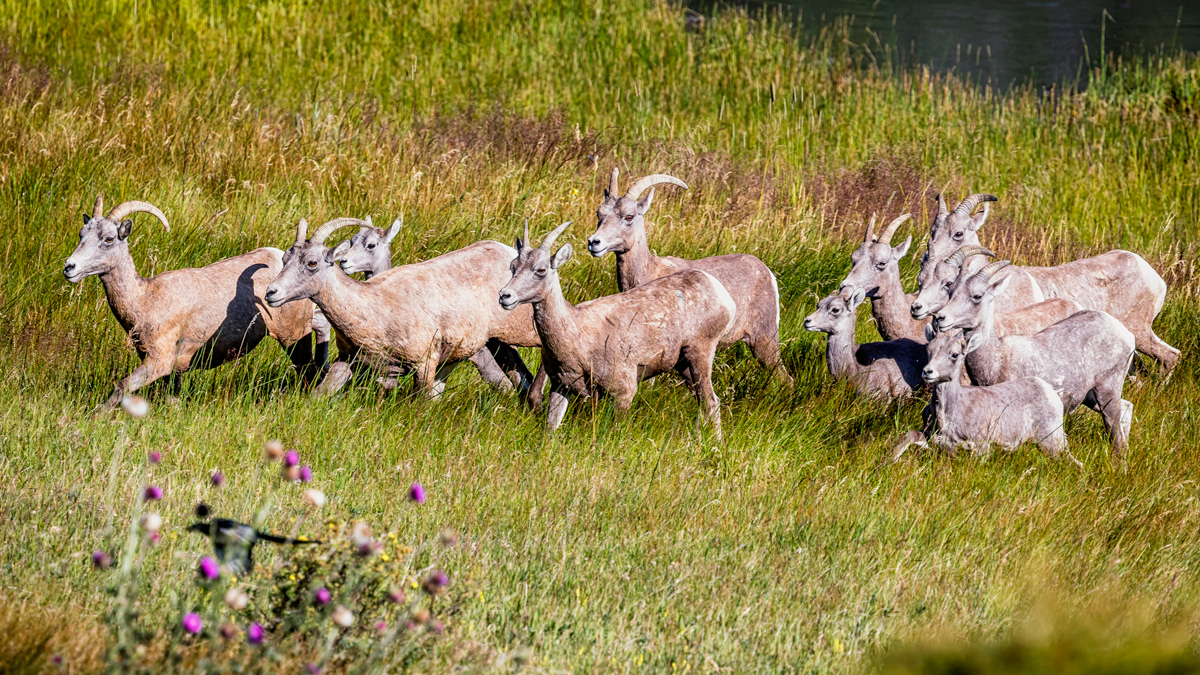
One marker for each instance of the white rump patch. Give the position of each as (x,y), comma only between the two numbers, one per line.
(775,287)
(724,298)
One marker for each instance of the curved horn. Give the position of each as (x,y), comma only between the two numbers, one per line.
(328,228)
(991,269)
(549,240)
(886,237)
(98,209)
(869,237)
(125,208)
(301,231)
(959,257)
(612,182)
(644,182)
(966,206)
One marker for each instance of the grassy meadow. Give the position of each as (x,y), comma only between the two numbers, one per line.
(621,543)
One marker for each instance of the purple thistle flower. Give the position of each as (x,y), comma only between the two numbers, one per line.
(435,582)
(228,631)
(101,560)
(436,626)
(217,478)
(306,474)
(292,458)
(313,668)
(381,627)
(155,457)
(322,596)
(254,634)
(209,568)
(152,493)
(417,493)
(192,623)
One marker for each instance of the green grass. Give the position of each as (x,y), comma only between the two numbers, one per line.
(621,543)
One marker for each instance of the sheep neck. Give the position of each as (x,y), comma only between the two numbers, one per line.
(554,319)
(342,300)
(124,287)
(985,362)
(945,397)
(890,307)
(839,353)
(636,266)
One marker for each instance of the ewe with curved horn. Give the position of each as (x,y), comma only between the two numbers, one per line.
(424,318)
(173,316)
(875,271)
(608,344)
(621,229)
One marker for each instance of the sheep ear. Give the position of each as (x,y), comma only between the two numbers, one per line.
(393,231)
(86,219)
(643,204)
(902,250)
(856,298)
(520,246)
(125,228)
(998,287)
(978,219)
(339,252)
(561,256)
(974,342)
(930,332)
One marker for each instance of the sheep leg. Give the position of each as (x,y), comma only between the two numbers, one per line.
(1117,416)
(765,347)
(913,437)
(699,362)
(153,368)
(509,360)
(490,370)
(1153,346)
(556,409)
(301,356)
(537,389)
(323,330)
(439,379)
(335,378)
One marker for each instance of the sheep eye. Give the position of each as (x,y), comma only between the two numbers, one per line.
(958,235)
(834,311)
(628,217)
(108,240)
(370,247)
(946,285)
(880,265)
(976,298)
(540,273)
(954,356)
(312,263)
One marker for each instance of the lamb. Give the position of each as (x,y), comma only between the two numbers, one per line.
(883,370)
(1008,413)
(876,272)
(1119,282)
(187,318)
(425,318)
(608,344)
(1084,357)
(621,229)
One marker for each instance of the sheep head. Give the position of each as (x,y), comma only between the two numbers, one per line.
(104,240)
(534,270)
(936,283)
(875,258)
(835,314)
(307,262)
(953,229)
(620,220)
(947,353)
(974,301)
(370,249)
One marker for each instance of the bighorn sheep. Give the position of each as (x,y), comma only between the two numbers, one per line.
(876,272)
(936,283)
(610,343)
(427,317)
(877,369)
(1008,413)
(1084,357)
(1119,282)
(621,229)
(187,318)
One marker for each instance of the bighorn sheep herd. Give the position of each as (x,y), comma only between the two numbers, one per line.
(1002,350)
